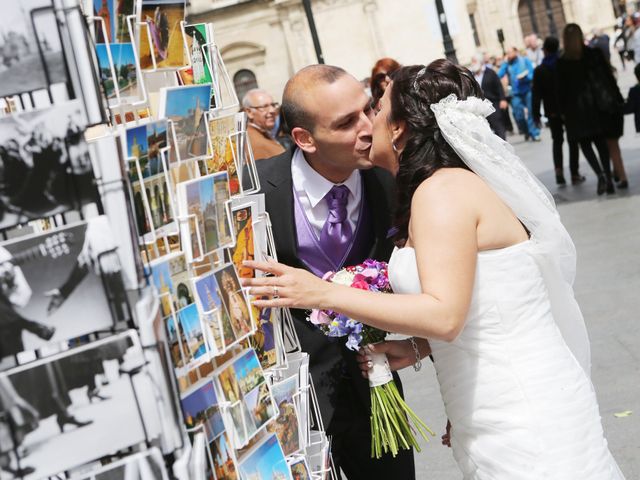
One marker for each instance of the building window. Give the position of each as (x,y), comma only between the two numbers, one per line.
(243,81)
(474,29)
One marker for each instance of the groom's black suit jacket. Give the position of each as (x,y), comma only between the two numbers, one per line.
(343,394)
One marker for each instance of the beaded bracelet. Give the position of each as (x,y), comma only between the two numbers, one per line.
(418,365)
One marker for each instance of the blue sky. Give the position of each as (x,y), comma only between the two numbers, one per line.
(203,398)
(182,99)
(201,289)
(160,127)
(140,134)
(97,4)
(121,54)
(267,460)
(161,272)
(190,320)
(206,191)
(246,363)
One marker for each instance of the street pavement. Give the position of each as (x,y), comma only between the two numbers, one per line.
(606,231)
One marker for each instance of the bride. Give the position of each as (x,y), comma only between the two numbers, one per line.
(483,270)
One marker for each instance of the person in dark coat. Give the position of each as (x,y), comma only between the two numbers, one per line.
(632,104)
(493,91)
(544,91)
(587,102)
(325,181)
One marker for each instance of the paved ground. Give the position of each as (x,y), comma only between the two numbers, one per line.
(606,231)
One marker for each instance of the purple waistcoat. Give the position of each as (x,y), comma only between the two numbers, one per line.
(315,258)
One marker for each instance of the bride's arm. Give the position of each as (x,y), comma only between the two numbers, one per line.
(443,233)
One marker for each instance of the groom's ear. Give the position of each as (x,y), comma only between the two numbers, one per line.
(304,140)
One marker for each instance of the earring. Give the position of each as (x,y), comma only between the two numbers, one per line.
(393,145)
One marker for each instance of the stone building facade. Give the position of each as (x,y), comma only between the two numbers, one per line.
(263,42)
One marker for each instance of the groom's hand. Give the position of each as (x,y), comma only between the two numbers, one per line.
(400,354)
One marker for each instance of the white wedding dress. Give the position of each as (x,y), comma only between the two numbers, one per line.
(520,405)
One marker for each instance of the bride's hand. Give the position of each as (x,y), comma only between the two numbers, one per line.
(286,286)
(400,354)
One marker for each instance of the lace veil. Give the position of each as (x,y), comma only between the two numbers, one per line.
(465,128)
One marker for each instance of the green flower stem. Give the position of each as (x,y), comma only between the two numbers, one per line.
(393,423)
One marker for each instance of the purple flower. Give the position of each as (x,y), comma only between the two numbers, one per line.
(353,342)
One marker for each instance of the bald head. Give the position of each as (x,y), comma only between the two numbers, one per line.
(296,109)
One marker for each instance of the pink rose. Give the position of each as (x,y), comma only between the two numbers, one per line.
(361,284)
(318,317)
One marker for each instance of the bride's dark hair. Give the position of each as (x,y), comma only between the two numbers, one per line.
(414,89)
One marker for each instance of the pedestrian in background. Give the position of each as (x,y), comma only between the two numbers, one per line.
(586,97)
(545,92)
(520,72)
(632,105)
(493,91)
(533,49)
(262,113)
(600,40)
(380,77)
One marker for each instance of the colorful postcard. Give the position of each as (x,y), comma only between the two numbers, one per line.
(242,383)
(266,462)
(224,466)
(26,70)
(51,280)
(170,276)
(189,320)
(186,107)
(222,156)
(114,16)
(124,69)
(244,248)
(300,469)
(234,300)
(152,201)
(200,407)
(177,342)
(199,72)
(286,425)
(161,20)
(221,195)
(198,200)
(45,164)
(208,298)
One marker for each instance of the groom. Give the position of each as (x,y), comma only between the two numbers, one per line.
(330,208)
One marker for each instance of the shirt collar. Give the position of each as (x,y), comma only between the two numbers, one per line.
(315,185)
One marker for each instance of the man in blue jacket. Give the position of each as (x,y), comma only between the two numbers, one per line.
(520,70)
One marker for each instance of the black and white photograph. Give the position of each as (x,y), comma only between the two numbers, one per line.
(55,286)
(148,465)
(63,407)
(45,164)
(31,49)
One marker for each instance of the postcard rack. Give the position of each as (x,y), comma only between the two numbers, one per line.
(176,343)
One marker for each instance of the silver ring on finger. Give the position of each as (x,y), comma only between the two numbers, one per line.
(275,292)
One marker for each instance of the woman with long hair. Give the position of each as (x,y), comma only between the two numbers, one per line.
(381,76)
(591,106)
(483,270)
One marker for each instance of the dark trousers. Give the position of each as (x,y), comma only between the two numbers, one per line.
(351,444)
(557,135)
(496,122)
(351,451)
(604,166)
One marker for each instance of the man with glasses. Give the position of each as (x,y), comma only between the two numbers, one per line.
(262,112)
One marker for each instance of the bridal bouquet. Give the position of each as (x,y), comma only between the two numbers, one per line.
(393,423)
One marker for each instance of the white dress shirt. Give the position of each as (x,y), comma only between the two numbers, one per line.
(311,188)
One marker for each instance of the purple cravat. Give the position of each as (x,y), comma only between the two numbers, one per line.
(336,233)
